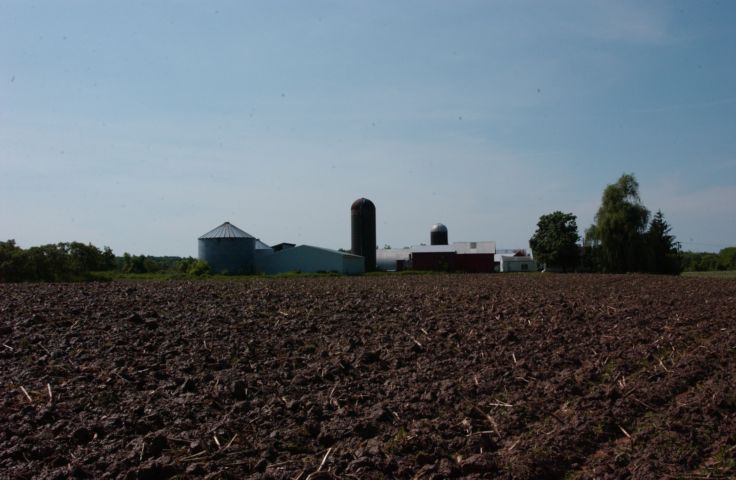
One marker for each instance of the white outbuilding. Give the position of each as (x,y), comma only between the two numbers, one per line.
(518,263)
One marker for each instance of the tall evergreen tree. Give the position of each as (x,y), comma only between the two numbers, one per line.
(663,251)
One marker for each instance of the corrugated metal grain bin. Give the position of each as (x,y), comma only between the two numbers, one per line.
(227,249)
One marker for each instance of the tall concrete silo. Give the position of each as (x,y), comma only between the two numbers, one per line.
(438,234)
(363,231)
(227,249)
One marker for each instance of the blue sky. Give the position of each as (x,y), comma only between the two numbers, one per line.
(141,125)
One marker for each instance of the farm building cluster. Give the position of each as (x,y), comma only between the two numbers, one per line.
(228,249)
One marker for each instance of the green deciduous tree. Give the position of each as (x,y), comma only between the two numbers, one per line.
(191,266)
(108,259)
(620,226)
(48,263)
(555,243)
(88,258)
(708,261)
(135,264)
(12,262)
(727,257)
(199,267)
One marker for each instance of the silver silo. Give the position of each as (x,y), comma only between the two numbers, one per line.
(228,249)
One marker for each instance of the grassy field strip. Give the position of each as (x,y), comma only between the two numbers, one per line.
(731,274)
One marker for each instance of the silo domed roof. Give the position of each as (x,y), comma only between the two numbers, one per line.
(226,230)
(362,204)
(438,227)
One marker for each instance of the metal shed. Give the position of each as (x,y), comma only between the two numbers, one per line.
(307,258)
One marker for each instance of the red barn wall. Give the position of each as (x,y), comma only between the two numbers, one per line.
(474,262)
(444,261)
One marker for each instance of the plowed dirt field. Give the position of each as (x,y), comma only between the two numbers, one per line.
(476,376)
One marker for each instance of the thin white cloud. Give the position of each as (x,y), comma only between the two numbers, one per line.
(701,219)
(686,106)
(619,21)
(712,201)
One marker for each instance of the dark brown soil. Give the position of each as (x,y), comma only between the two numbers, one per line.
(495,376)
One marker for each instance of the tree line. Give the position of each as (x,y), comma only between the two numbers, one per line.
(725,259)
(75,261)
(149,264)
(52,263)
(624,238)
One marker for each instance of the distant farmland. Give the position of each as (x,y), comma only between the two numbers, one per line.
(477,376)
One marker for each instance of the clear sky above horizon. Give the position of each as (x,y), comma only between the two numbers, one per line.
(142,125)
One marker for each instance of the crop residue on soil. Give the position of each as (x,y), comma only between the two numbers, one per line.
(491,376)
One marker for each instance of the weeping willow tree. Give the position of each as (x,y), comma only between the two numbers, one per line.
(618,235)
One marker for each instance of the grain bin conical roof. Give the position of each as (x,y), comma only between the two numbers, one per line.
(226,230)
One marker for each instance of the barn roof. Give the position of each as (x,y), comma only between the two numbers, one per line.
(328,250)
(261,245)
(434,249)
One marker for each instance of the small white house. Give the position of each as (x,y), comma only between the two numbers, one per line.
(518,264)
(306,258)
